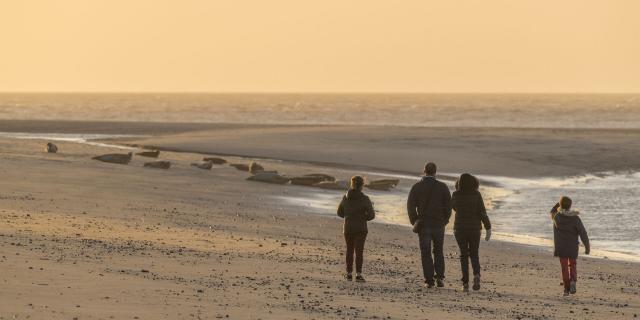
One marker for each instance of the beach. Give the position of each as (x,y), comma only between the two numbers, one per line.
(90,240)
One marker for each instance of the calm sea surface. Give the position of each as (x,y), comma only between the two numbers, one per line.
(483,110)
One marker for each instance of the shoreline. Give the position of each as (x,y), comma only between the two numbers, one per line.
(537,242)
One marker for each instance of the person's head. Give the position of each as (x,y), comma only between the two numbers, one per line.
(467,183)
(430,169)
(357,182)
(565,203)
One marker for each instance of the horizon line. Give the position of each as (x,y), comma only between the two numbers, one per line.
(334,92)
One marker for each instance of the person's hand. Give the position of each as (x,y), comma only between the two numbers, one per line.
(487,235)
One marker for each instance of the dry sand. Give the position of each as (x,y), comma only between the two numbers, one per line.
(89,240)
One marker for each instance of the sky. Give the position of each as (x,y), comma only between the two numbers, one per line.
(581,46)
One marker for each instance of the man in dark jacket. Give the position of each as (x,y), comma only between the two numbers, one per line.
(429,208)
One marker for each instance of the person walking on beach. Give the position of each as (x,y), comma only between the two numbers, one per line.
(567,228)
(470,214)
(429,209)
(356,209)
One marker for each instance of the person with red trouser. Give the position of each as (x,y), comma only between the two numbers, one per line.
(567,228)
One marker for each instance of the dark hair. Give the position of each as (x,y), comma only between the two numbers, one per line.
(565,203)
(430,169)
(467,183)
(357,182)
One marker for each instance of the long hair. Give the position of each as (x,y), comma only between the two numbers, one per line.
(467,183)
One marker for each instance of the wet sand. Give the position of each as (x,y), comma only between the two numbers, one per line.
(89,240)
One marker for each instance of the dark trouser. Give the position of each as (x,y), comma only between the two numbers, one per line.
(569,271)
(355,242)
(469,243)
(427,236)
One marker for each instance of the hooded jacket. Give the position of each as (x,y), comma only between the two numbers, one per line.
(567,228)
(356,209)
(470,211)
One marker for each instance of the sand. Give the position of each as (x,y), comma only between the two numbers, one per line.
(90,240)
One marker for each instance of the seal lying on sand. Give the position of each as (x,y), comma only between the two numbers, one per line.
(324,177)
(306,180)
(204,165)
(240,166)
(115,158)
(51,148)
(269,177)
(383,185)
(333,185)
(158,164)
(254,168)
(215,160)
(149,154)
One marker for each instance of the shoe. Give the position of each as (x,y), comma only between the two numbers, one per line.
(360,278)
(572,287)
(566,293)
(348,277)
(428,284)
(476,282)
(465,287)
(440,283)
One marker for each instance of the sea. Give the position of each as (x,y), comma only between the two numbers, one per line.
(608,201)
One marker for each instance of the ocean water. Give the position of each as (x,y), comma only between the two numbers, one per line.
(468,110)
(519,208)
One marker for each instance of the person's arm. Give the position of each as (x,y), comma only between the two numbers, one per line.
(446,201)
(483,213)
(341,208)
(412,205)
(554,211)
(582,232)
(482,210)
(370,213)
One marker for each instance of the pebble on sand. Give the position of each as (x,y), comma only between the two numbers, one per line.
(158,164)
(51,148)
(115,158)
(149,154)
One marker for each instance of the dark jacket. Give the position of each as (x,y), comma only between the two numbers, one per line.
(470,211)
(356,209)
(567,227)
(430,200)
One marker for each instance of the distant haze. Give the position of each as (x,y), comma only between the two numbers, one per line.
(320,46)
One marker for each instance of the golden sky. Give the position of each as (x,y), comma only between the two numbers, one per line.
(320,46)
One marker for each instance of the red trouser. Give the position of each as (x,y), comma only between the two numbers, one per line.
(569,271)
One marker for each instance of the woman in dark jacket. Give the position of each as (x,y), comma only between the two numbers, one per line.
(470,214)
(356,209)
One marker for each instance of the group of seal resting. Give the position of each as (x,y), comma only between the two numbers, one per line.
(317,180)
(258,173)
